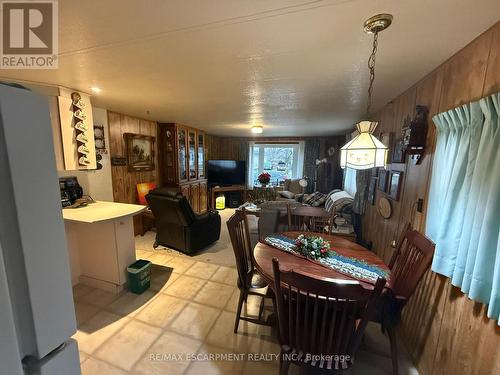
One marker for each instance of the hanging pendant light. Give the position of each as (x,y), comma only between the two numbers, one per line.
(365,151)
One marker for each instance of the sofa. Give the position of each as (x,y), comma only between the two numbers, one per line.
(177,226)
(274,215)
(338,201)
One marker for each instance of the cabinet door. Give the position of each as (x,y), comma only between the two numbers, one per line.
(186,191)
(193,175)
(182,153)
(203,196)
(201,155)
(195,197)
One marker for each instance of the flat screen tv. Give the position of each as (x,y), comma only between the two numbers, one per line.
(226,172)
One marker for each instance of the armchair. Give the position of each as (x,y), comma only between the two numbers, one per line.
(177,226)
(291,188)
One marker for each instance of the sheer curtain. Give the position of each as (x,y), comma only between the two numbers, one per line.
(250,165)
(350,181)
(463,217)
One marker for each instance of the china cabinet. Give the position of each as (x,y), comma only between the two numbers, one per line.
(181,158)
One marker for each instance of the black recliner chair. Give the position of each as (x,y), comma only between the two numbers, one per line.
(177,226)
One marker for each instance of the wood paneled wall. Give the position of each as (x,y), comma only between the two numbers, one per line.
(124,182)
(224,148)
(444,331)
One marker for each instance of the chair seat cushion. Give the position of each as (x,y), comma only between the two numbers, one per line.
(258,281)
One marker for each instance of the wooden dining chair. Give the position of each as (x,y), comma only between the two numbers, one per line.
(310,219)
(250,282)
(321,321)
(409,263)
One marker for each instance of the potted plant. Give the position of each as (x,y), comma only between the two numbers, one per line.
(264,178)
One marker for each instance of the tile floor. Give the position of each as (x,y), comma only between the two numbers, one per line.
(189,311)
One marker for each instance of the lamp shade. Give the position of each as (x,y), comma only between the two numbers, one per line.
(364,151)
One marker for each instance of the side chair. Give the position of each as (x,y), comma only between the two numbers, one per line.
(250,282)
(321,321)
(408,265)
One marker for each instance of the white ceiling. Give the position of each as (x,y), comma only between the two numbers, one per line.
(297,67)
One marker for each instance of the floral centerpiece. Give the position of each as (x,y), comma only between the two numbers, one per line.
(313,247)
(264,178)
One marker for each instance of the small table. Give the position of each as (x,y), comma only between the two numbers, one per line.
(225,189)
(263,255)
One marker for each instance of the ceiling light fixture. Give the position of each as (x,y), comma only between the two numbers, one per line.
(257,129)
(96,89)
(365,151)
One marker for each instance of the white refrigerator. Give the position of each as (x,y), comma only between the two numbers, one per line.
(37,317)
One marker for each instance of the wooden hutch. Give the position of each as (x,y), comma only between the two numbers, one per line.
(181,159)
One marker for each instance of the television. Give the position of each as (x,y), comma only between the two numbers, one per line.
(226,172)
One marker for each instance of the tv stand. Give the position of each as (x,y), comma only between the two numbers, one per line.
(225,189)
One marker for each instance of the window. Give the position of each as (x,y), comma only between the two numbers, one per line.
(280,160)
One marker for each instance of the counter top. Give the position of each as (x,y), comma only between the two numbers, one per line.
(101,211)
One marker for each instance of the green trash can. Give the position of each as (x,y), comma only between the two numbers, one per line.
(139,276)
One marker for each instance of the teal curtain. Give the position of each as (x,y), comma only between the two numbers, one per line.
(463,217)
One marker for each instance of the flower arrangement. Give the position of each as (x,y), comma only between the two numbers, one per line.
(264,178)
(313,247)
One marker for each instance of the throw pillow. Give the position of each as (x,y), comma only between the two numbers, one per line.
(287,194)
(315,199)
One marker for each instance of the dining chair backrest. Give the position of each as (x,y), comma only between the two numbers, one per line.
(411,259)
(322,316)
(309,219)
(240,240)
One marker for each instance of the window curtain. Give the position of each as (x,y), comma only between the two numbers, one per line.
(250,146)
(350,181)
(463,216)
(349,173)
(311,153)
(362,179)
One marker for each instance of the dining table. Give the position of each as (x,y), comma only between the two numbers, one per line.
(264,253)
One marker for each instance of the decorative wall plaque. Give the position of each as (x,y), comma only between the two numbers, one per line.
(384,207)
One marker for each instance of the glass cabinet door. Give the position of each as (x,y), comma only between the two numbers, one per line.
(181,138)
(201,155)
(192,155)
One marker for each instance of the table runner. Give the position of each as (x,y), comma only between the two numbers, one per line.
(351,266)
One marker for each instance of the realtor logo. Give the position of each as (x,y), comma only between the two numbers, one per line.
(29,34)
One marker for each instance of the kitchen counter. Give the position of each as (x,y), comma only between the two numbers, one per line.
(101,211)
(101,243)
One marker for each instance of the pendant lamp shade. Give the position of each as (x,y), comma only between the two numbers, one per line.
(364,151)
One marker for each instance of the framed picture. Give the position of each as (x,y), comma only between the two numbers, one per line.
(383,178)
(398,155)
(395,184)
(387,139)
(372,188)
(140,152)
